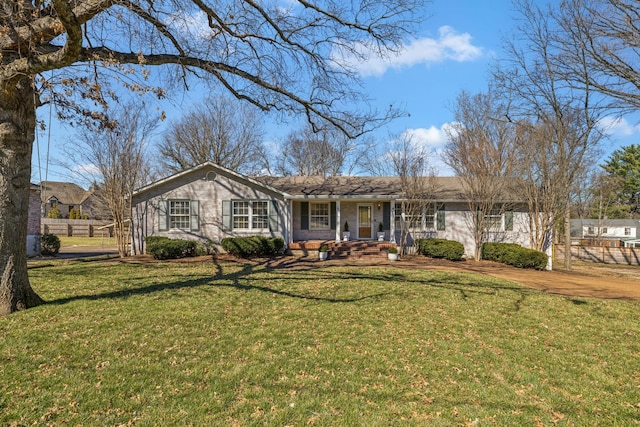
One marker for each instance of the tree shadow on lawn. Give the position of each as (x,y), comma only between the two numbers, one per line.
(242,279)
(234,281)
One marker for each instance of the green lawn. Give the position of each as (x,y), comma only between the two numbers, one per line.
(233,344)
(97,241)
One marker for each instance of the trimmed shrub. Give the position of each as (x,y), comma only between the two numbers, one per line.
(440,248)
(207,247)
(49,244)
(492,251)
(253,246)
(514,255)
(164,248)
(151,240)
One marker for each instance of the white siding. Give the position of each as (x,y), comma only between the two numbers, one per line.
(459,227)
(210,195)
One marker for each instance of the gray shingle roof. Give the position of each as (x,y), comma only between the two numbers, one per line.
(441,188)
(65,192)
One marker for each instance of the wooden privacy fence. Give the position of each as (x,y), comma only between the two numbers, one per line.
(604,254)
(76,227)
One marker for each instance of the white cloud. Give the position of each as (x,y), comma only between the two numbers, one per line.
(88,171)
(191,25)
(618,126)
(449,46)
(432,139)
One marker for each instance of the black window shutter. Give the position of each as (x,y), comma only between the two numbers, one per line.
(194,206)
(440,218)
(227,224)
(273,216)
(163,218)
(508,220)
(386,215)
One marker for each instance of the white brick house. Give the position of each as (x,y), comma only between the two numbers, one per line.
(211,202)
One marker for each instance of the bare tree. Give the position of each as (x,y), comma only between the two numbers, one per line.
(561,118)
(221,130)
(599,197)
(117,152)
(410,163)
(482,151)
(376,156)
(327,152)
(274,57)
(555,160)
(603,37)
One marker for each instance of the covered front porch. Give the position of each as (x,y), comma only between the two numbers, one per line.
(343,220)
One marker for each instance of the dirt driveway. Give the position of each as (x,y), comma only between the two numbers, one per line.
(585,280)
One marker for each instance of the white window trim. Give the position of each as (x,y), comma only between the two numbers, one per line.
(429,210)
(170,216)
(250,214)
(494,225)
(328,216)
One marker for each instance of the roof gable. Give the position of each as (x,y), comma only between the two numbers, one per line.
(201,171)
(66,193)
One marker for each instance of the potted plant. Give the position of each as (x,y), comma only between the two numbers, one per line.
(346,235)
(322,252)
(380,232)
(392,253)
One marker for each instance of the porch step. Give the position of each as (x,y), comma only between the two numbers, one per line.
(343,250)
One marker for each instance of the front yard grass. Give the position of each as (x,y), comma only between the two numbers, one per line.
(97,241)
(243,344)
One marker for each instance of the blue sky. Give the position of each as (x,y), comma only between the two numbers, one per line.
(451,52)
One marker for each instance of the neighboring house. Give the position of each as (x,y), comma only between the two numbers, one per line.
(33,227)
(66,196)
(63,195)
(211,202)
(93,205)
(606,232)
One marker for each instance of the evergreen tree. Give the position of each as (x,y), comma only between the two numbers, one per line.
(54,212)
(624,164)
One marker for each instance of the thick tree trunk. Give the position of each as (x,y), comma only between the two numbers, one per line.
(17,127)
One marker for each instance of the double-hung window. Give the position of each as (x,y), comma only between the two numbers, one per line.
(241,214)
(406,215)
(417,216)
(319,216)
(250,215)
(430,216)
(493,219)
(498,219)
(178,214)
(260,214)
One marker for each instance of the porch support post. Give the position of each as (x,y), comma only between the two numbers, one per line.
(289,221)
(392,222)
(338,222)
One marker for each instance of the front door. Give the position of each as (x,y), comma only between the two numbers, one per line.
(365,221)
